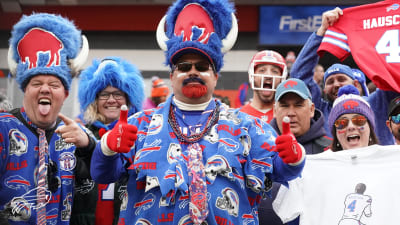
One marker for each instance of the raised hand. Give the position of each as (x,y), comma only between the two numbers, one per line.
(72,133)
(123,136)
(328,19)
(286,145)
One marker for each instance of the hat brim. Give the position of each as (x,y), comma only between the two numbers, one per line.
(178,54)
(301,94)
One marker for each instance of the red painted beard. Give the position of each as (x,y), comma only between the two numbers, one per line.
(194,90)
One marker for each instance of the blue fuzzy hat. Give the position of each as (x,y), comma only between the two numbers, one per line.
(45,43)
(205,27)
(111,71)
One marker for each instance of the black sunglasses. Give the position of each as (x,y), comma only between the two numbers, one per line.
(202,66)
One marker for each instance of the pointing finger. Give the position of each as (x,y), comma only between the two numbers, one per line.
(66,120)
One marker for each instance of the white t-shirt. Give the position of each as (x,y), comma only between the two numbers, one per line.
(358,186)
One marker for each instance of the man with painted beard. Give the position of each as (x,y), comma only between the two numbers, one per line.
(192,159)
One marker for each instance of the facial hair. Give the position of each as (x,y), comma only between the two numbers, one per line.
(196,90)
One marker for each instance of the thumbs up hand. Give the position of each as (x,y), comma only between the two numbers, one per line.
(286,145)
(123,136)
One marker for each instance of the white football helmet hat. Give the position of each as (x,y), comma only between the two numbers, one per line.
(267,57)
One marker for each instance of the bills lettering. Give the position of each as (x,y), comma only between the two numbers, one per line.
(166,217)
(228,129)
(223,221)
(145,166)
(17,165)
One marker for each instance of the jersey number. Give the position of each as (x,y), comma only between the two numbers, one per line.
(389,44)
(108,193)
(352,205)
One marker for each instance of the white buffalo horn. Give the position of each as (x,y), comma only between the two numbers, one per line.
(79,61)
(230,39)
(12,64)
(161,37)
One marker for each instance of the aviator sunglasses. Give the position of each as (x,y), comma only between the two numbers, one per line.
(395,119)
(358,120)
(202,66)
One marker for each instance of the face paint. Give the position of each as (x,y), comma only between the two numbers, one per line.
(194,90)
(205,74)
(181,74)
(341,131)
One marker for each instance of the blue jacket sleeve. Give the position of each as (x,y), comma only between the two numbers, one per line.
(379,101)
(303,67)
(106,169)
(283,172)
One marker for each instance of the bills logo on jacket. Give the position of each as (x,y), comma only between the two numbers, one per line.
(18,142)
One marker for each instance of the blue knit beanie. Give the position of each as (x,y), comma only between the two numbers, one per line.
(360,76)
(338,68)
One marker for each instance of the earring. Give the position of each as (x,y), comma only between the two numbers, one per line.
(337,145)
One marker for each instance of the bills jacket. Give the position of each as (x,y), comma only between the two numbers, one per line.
(19,161)
(239,159)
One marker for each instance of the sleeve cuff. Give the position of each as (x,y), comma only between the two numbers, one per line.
(303,156)
(104,148)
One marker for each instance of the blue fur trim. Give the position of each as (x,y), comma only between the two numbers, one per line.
(63,29)
(219,12)
(122,75)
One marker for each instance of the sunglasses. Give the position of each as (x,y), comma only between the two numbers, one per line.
(395,119)
(358,120)
(202,66)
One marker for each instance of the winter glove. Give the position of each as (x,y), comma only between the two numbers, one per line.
(287,147)
(123,136)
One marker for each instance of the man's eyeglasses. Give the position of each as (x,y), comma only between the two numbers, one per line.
(117,95)
(202,66)
(358,120)
(395,119)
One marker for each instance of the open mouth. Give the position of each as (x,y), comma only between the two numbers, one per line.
(267,85)
(353,138)
(44,106)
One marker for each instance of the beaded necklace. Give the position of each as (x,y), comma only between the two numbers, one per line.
(211,121)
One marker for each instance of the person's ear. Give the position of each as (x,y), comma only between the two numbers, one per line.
(312,108)
(389,125)
(357,84)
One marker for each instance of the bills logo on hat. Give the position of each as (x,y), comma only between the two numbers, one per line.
(193,15)
(290,84)
(208,28)
(44,43)
(350,104)
(36,42)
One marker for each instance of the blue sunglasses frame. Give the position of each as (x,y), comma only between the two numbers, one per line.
(396,118)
